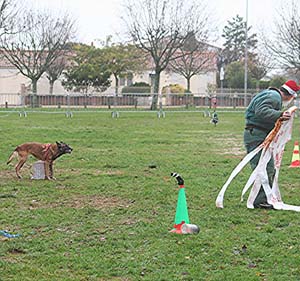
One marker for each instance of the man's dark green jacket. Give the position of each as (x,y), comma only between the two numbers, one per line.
(264,109)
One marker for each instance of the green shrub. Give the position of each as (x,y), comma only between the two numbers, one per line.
(264,84)
(277,81)
(174,89)
(138,87)
(140,84)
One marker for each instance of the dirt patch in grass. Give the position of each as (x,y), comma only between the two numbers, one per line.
(108,172)
(12,255)
(16,251)
(97,202)
(82,201)
(7,174)
(231,146)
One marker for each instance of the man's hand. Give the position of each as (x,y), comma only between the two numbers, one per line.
(286,115)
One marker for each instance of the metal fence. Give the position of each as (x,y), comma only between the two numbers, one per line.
(76,101)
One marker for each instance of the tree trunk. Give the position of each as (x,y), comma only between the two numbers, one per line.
(51,86)
(155,91)
(34,100)
(117,84)
(188,82)
(34,86)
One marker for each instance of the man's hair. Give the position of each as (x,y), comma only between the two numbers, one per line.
(284,91)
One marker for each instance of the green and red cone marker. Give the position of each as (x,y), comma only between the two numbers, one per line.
(182,222)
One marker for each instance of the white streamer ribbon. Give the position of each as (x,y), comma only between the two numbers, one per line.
(273,146)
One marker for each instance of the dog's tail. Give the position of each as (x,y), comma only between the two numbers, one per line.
(12,156)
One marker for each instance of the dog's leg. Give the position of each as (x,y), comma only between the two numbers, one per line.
(47,170)
(20,165)
(51,170)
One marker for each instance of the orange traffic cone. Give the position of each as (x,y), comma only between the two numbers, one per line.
(295,159)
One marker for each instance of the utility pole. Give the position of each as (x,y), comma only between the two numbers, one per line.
(246,57)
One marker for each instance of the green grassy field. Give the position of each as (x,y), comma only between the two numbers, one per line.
(108,214)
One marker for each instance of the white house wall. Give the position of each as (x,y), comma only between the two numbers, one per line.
(11,82)
(198,82)
(43,87)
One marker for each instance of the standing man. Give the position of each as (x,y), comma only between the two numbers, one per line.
(261,116)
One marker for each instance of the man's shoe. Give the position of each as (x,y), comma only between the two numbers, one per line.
(264,206)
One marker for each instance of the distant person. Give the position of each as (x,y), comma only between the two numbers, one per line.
(261,116)
(214,102)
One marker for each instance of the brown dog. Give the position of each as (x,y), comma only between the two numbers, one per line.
(45,152)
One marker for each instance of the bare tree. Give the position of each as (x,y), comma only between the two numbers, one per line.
(193,58)
(54,71)
(259,66)
(43,38)
(8,13)
(160,28)
(285,46)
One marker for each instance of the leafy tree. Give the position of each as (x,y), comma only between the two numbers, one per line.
(123,59)
(235,40)
(160,28)
(88,70)
(235,76)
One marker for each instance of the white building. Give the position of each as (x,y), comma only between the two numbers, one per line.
(13,84)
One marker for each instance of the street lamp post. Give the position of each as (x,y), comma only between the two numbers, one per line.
(222,77)
(246,56)
(115,113)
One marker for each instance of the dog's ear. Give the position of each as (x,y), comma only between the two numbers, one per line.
(58,144)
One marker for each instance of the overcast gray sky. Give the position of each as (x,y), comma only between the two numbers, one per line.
(98,18)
